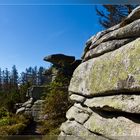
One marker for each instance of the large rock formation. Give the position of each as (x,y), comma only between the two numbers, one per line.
(59,59)
(61,64)
(105,87)
(34,105)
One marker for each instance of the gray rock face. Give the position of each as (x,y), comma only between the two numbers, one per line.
(37,110)
(108,126)
(96,37)
(128,31)
(77,114)
(76,131)
(29,102)
(106,47)
(59,59)
(33,107)
(28,111)
(135,14)
(74,128)
(112,73)
(84,108)
(124,103)
(28,105)
(77,98)
(62,64)
(105,87)
(113,32)
(20,110)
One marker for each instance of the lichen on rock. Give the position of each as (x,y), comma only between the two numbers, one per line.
(105,87)
(109,73)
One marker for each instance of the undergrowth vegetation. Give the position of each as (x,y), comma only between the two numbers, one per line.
(56,105)
(11,124)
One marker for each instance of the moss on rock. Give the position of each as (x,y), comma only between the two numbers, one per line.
(116,71)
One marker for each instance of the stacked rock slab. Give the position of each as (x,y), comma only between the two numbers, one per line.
(105,87)
(34,105)
(62,64)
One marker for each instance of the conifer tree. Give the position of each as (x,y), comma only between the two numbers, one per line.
(110,15)
(14,76)
(0,79)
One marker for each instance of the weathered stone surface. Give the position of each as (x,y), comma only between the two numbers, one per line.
(96,37)
(61,64)
(108,126)
(85,138)
(62,136)
(74,128)
(77,114)
(106,47)
(76,131)
(77,98)
(30,101)
(128,31)
(74,138)
(39,102)
(37,109)
(112,73)
(86,109)
(107,87)
(59,59)
(20,110)
(125,103)
(135,14)
(92,42)
(28,112)
(28,105)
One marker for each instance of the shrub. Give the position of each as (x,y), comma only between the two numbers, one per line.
(13,125)
(56,105)
(3,112)
(16,129)
(4,121)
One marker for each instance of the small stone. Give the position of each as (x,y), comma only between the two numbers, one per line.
(77,98)
(77,114)
(28,105)
(20,110)
(86,109)
(39,102)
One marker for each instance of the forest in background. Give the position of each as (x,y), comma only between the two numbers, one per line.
(13,86)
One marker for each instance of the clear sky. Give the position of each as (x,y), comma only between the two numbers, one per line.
(28,33)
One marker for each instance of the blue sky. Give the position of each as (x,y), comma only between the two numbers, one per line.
(28,33)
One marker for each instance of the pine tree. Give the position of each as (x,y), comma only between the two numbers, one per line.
(6,80)
(110,15)
(14,77)
(23,78)
(41,77)
(34,75)
(0,79)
